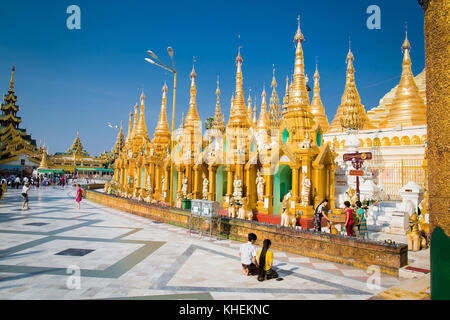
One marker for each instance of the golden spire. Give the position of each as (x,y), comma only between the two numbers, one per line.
(11,83)
(219,121)
(249,107)
(120,140)
(77,146)
(135,121)
(351,113)
(407,108)
(286,93)
(44,164)
(317,108)
(162,128)
(238,113)
(299,94)
(296,113)
(275,112)
(255,112)
(130,127)
(263,121)
(192,116)
(141,130)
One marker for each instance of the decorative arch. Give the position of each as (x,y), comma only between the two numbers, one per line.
(405,141)
(319,137)
(385,142)
(376,142)
(423,139)
(285,136)
(395,141)
(415,139)
(361,143)
(282,184)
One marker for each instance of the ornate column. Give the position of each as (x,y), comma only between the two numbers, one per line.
(212,182)
(157,190)
(294,184)
(197,190)
(229,171)
(268,197)
(166,187)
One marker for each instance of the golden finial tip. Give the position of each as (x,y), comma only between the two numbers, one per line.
(406,45)
(164,89)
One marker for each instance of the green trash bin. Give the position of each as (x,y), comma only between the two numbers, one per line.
(186,204)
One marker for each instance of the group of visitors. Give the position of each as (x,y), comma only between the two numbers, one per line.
(260,263)
(355,219)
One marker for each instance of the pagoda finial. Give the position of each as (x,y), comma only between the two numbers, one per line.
(192,115)
(219,121)
(11,83)
(162,133)
(263,121)
(406,45)
(317,108)
(299,94)
(130,126)
(239,112)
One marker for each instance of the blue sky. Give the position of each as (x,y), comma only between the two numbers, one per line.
(81,79)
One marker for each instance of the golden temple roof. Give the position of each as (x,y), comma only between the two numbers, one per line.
(162,131)
(141,130)
(219,121)
(130,128)
(192,117)
(351,113)
(296,113)
(275,111)
(135,121)
(263,121)
(239,113)
(317,108)
(407,108)
(44,161)
(120,142)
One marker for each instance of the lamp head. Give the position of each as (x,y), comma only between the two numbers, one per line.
(150,60)
(152,54)
(170,51)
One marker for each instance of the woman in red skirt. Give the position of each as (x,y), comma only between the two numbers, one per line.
(79,195)
(349,219)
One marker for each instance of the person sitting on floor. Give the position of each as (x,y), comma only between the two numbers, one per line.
(265,261)
(247,253)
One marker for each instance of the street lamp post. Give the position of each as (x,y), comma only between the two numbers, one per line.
(164,66)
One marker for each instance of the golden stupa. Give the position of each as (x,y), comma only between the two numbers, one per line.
(317,108)
(408,108)
(351,113)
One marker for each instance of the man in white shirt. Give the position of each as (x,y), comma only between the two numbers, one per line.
(247,252)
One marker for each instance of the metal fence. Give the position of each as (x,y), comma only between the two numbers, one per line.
(396,174)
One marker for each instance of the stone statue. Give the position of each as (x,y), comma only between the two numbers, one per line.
(415,239)
(184,186)
(141,195)
(205,188)
(149,197)
(307,142)
(163,184)
(351,195)
(260,182)
(232,209)
(178,200)
(306,189)
(244,212)
(237,184)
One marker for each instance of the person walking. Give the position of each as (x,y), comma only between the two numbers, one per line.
(79,196)
(265,261)
(318,214)
(25,189)
(349,219)
(362,227)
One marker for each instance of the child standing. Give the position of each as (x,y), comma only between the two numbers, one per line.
(25,189)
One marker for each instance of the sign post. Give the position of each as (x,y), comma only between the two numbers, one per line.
(357,159)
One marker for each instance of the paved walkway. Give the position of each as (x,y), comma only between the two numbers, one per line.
(120,255)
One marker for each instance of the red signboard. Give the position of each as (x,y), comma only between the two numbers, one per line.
(358,155)
(359,173)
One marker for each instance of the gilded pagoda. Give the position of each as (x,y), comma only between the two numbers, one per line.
(271,163)
(18,151)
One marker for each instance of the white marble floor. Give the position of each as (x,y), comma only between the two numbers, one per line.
(118,255)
